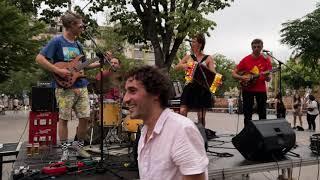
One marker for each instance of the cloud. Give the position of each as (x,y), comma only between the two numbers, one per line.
(249,19)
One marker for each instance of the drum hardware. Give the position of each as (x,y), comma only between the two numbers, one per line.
(112,136)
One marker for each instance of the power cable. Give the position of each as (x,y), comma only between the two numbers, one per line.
(24,130)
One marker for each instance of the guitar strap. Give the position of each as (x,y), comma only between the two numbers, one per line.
(81,51)
(204,58)
(195,58)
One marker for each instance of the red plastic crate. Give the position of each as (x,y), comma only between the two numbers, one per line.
(43,127)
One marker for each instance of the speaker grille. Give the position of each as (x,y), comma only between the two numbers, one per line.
(265,140)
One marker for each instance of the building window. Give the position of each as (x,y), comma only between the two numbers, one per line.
(138,54)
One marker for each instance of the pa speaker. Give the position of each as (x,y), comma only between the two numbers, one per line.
(43,99)
(265,140)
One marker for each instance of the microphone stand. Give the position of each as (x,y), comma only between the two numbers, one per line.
(280,63)
(101,168)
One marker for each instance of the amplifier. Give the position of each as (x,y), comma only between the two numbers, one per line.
(43,99)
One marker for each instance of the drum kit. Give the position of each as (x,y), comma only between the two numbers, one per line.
(117,124)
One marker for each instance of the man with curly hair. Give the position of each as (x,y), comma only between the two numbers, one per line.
(170,145)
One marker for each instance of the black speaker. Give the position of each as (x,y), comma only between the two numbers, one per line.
(265,140)
(43,99)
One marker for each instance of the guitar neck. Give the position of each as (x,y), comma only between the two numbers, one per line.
(80,66)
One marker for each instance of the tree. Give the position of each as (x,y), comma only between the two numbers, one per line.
(225,67)
(17,43)
(302,76)
(178,75)
(164,23)
(303,35)
(110,40)
(23,81)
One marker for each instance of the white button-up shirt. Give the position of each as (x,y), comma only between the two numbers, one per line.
(175,148)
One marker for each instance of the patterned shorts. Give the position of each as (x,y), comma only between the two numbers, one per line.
(73,99)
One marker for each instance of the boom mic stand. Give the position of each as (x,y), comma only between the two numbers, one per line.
(101,168)
(280,63)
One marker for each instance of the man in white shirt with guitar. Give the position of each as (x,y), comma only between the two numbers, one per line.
(62,56)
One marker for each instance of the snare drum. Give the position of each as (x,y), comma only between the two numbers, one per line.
(131,125)
(111,114)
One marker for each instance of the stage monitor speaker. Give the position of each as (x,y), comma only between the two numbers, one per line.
(265,140)
(43,99)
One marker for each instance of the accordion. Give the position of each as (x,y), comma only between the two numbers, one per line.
(200,74)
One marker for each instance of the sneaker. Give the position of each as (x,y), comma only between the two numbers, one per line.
(65,151)
(78,146)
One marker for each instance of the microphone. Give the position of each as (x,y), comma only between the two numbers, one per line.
(266,51)
(188,40)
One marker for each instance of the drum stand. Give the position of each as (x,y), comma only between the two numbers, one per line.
(112,136)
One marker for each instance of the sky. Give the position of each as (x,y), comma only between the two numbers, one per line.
(246,20)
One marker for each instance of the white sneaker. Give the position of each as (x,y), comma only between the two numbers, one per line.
(65,155)
(78,146)
(65,151)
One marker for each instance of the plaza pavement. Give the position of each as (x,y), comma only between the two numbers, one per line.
(12,127)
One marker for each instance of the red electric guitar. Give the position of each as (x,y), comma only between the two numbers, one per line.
(253,77)
(75,67)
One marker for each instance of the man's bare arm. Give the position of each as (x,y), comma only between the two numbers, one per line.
(43,62)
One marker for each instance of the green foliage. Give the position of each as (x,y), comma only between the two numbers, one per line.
(111,40)
(303,35)
(302,76)
(23,81)
(164,23)
(17,43)
(178,75)
(225,67)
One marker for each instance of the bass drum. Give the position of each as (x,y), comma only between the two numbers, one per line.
(111,114)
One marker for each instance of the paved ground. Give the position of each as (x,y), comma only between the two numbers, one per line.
(12,127)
